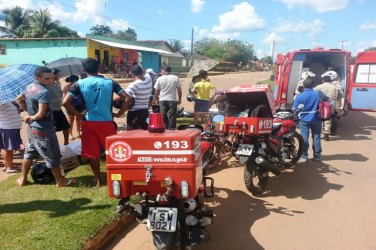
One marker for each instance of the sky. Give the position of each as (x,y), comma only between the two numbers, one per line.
(291,24)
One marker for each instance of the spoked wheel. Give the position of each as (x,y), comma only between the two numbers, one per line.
(255,178)
(226,150)
(295,150)
(215,156)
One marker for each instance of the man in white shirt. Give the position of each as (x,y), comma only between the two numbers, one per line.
(166,88)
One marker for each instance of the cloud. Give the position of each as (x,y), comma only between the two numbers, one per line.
(118,24)
(242,18)
(270,37)
(373,43)
(205,33)
(317,5)
(7,4)
(368,25)
(312,29)
(260,54)
(197,5)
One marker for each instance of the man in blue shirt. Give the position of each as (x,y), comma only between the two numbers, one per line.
(308,102)
(97,124)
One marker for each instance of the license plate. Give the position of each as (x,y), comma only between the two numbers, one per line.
(162,219)
(244,149)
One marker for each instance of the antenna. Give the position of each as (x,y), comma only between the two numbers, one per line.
(342,43)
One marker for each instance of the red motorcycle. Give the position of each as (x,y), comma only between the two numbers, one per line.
(261,142)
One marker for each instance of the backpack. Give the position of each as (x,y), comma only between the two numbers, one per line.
(325,110)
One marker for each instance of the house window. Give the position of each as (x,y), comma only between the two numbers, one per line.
(184,63)
(69,44)
(3,49)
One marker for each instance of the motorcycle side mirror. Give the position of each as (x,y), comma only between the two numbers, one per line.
(218,118)
(272,78)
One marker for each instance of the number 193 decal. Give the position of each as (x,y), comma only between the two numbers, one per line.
(171,144)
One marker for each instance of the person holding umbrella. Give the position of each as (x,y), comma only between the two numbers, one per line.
(42,137)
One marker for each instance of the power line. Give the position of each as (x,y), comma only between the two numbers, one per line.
(109,18)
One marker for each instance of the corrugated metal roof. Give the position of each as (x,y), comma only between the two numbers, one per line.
(128,46)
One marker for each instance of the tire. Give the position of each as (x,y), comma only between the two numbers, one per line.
(260,111)
(216,156)
(255,178)
(226,150)
(292,159)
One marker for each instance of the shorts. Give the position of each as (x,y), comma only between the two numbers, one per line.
(93,137)
(136,119)
(201,105)
(10,139)
(43,143)
(60,121)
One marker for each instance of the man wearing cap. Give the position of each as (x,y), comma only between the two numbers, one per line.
(166,87)
(60,120)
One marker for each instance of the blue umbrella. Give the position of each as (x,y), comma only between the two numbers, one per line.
(14,79)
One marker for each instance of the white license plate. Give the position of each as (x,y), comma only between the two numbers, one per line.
(244,149)
(162,219)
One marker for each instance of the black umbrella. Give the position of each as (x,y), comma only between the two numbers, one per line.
(68,66)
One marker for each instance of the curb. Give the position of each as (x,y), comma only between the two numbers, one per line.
(108,233)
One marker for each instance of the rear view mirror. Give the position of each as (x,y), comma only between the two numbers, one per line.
(218,118)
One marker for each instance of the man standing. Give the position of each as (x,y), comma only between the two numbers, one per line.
(308,102)
(165,93)
(41,132)
(140,90)
(202,92)
(335,95)
(60,121)
(97,124)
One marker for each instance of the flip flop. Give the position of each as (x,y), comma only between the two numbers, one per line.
(12,171)
(69,183)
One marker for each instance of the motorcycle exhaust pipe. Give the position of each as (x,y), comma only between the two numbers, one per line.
(268,165)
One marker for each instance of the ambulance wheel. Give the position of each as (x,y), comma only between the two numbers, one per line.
(260,111)
(255,178)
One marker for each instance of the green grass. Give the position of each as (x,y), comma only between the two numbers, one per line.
(47,217)
(267,81)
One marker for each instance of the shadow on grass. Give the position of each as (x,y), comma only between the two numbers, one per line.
(56,208)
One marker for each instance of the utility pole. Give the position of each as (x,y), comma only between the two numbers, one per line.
(272,50)
(342,43)
(192,48)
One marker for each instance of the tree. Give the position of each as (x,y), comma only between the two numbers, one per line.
(16,21)
(232,50)
(177,45)
(371,49)
(66,32)
(42,25)
(267,59)
(101,30)
(129,34)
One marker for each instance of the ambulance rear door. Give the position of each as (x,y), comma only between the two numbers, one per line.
(362,91)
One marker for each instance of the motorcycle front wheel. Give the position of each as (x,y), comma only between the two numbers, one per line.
(255,178)
(226,150)
(295,150)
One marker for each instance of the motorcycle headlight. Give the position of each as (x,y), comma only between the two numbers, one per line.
(116,188)
(184,189)
(191,220)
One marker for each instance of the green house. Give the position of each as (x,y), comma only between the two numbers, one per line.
(36,50)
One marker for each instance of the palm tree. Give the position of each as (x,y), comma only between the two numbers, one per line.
(16,21)
(42,25)
(101,30)
(177,45)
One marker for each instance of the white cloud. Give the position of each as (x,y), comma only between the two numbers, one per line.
(205,33)
(160,11)
(312,29)
(373,43)
(7,4)
(270,37)
(118,24)
(317,5)
(197,5)
(242,18)
(260,54)
(368,25)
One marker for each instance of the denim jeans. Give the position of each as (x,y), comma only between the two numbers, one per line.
(169,111)
(315,128)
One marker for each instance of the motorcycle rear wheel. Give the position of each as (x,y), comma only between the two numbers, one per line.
(255,178)
(168,240)
(291,160)
(216,156)
(226,150)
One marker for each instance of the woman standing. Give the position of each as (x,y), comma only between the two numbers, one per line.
(78,104)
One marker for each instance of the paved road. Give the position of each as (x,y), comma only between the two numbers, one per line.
(327,205)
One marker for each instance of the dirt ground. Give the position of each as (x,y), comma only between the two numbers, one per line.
(316,205)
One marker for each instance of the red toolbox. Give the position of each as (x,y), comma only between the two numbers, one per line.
(140,161)
(244,99)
